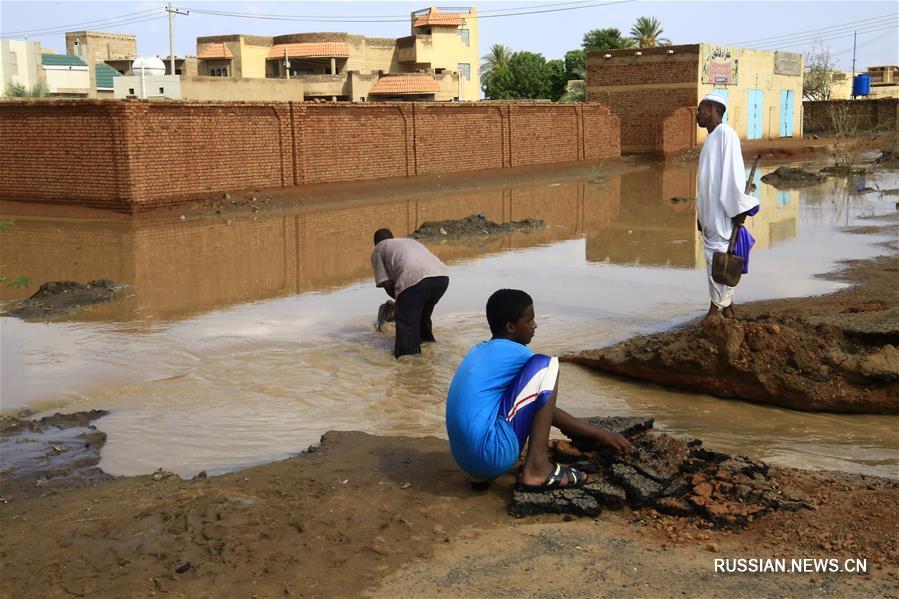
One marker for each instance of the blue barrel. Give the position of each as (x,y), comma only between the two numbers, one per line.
(861,85)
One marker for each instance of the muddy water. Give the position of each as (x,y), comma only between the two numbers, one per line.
(240,339)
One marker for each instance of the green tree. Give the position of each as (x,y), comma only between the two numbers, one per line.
(575,64)
(575,91)
(557,78)
(525,75)
(493,60)
(605,39)
(646,33)
(18,90)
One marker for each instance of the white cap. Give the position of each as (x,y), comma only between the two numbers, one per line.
(715,98)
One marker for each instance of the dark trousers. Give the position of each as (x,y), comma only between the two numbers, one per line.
(414,307)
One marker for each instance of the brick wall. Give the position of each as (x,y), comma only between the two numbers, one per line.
(132,155)
(678,132)
(645,94)
(882,114)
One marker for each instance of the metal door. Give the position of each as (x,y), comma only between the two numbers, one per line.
(723,93)
(755,113)
(786,113)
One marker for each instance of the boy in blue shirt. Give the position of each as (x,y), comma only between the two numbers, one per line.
(504,395)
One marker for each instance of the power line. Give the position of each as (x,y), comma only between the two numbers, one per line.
(144,19)
(812,39)
(793,34)
(74,26)
(396,19)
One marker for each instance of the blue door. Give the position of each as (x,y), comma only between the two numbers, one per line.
(786,113)
(754,114)
(718,91)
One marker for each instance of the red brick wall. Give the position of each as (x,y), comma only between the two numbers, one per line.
(882,114)
(678,132)
(131,155)
(445,143)
(644,92)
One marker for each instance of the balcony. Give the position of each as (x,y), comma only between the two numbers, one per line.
(415,49)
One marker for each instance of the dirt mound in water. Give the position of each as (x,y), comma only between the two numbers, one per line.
(846,362)
(56,452)
(788,176)
(476,225)
(675,478)
(63,298)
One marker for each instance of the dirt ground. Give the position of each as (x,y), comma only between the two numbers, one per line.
(392,517)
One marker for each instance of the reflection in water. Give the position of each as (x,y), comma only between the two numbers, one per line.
(242,339)
(652,230)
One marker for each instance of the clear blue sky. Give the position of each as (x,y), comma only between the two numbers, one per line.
(549,33)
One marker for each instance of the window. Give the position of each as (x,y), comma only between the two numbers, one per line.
(464,36)
(439,71)
(130,91)
(162,90)
(465,70)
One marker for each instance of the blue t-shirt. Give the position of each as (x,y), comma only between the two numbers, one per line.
(482,442)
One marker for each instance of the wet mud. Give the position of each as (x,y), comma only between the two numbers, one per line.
(54,453)
(835,353)
(472,227)
(359,508)
(787,177)
(672,476)
(58,299)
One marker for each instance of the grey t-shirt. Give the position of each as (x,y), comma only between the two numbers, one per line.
(405,262)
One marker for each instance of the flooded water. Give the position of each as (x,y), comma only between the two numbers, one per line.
(242,339)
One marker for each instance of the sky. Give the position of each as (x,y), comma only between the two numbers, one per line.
(557,28)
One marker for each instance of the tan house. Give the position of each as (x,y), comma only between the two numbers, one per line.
(646,87)
(439,61)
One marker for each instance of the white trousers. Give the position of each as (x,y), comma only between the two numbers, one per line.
(722,295)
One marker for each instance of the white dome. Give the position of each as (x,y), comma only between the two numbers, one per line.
(150,65)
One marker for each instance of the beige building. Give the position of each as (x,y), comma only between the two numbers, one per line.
(439,61)
(884,83)
(115,49)
(648,87)
(20,63)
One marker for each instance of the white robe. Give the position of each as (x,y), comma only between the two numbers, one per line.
(719,198)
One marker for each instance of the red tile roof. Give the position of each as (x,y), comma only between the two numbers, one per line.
(215,51)
(311,50)
(405,84)
(438,18)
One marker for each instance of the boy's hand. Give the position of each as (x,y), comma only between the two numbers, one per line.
(614,440)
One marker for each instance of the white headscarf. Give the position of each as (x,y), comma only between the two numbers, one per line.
(715,98)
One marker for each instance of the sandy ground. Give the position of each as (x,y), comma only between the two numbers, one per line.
(393,517)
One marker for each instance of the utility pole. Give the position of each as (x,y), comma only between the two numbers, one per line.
(854,36)
(172,12)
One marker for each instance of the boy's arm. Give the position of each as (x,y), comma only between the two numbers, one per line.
(578,429)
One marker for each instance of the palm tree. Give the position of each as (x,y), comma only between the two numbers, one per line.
(497,58)
(646,32)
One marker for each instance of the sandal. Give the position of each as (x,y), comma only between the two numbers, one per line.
(554,481)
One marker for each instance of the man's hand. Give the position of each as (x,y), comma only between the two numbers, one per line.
(390,289)
(614,440)
(739,219)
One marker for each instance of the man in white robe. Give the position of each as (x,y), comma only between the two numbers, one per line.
(720,201)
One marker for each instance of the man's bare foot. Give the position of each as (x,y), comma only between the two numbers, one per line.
(728,312)
(713,311)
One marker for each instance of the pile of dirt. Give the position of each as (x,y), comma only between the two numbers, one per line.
(669,475)
(791,177)
(476,225)
(839,363)
(56,452)
(64,298)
